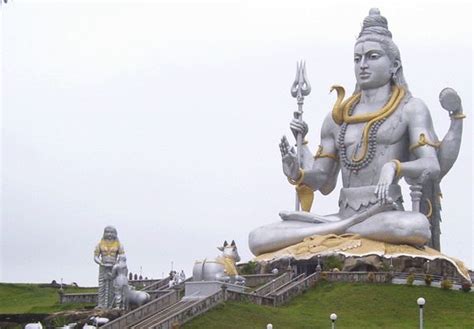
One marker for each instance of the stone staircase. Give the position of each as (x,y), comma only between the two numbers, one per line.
(169,309)
(283,286)
(143,312)
(156,320)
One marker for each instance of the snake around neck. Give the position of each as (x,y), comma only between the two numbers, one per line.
(342,115)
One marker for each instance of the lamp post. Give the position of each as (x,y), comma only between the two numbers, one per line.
(421,302)
(333,318)
(318,267)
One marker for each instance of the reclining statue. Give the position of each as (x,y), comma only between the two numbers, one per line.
(378,135)
(221,268)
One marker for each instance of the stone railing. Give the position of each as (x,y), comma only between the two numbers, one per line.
(251,298)
(154,285)
(273,284)
(375,277)
(154,294)
(85,297)
(192,311)
(144,311)
(285,286)
(255,280)
(434,278)
(142,284)
(295,288)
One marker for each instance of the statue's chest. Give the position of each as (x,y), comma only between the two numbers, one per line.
(109,249)
(390,131)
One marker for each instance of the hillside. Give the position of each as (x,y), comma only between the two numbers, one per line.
(31,298)
(362,306)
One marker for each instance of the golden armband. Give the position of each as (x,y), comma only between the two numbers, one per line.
(319,154)
(422,141)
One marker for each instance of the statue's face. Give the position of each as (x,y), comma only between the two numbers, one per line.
(372,66)
(110,233)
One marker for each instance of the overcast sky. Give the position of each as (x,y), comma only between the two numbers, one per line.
(163,119)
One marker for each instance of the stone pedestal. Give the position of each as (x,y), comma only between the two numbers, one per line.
(353,253)
(200,289)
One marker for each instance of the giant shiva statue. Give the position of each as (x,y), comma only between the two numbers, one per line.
(375,137)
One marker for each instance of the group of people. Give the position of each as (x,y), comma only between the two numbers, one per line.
(176,278)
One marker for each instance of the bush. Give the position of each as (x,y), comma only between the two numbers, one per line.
(59,321)
(410,279)
(466,286)
(428,279)
(332,262)
(388,277)
(324,276)
(386,267)
(371,277)
(249,268)
(446,284)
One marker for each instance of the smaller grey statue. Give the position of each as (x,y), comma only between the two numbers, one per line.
(222,268)
(124,294)
(106,255)
(119,273)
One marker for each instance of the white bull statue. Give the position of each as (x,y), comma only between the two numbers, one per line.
(137,297)
(222,268)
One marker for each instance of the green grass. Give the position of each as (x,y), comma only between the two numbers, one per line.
(30,298)
(362,306)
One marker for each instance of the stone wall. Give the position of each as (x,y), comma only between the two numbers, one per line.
(375,277)
(90,297)
(141,284)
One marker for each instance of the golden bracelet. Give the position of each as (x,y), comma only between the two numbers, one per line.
(398,168)
(303,143)
(458,116)
(297,181)
(430,208)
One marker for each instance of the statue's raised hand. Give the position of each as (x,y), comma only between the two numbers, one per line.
(450,100)
(298,127)
(288,157)
(387,175)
